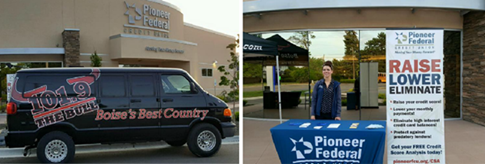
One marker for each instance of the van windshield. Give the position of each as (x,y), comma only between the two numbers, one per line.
(173,84)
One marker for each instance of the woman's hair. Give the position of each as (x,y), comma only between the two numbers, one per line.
(328,63)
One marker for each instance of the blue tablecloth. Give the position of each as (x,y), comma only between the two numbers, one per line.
(326,145)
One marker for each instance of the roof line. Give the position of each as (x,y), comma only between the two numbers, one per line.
(208,30)
(259,6)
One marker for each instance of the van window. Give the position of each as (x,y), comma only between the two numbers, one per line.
(142,85)
(113,86)
(173,84)
(55,83)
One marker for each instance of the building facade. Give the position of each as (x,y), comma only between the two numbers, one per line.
(131,33)
(462,21)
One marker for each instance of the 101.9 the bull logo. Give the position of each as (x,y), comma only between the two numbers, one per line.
(52,106)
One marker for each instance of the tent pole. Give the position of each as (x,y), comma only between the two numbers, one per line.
(262,82)
(309,77)
(279,85)
(262,78)
(360,111)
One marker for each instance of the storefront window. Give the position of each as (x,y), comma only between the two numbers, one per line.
(24,65)
(344,48)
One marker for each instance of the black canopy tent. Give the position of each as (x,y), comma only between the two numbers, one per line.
(292,55)
(287,54)
(254,47)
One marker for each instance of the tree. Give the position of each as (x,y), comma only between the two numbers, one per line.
(351,44)
(233,79)
(95,60)
(376,46)
(316,66)
(375,49)
(229,79)
(253,70)
(302,38)
(301,74)
(4,70)
(351,50)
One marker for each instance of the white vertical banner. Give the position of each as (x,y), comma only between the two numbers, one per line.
(415,86)
(10,80)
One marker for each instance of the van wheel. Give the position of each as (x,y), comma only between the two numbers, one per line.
(55,147)
(176,143)
(204,140)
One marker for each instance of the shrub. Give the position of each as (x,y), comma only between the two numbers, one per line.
(347,81)
(344,102)
(236,116)
(3,108)
(382,96)
(222,98)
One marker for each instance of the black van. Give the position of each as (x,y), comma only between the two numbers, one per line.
(54,109)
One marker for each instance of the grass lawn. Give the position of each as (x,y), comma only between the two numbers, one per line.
(253,94)
(260,93)
(259,84)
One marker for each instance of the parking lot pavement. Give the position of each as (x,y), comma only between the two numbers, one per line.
(150,152)
(228,153)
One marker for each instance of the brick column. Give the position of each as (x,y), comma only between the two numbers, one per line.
(70,42)
(473,67)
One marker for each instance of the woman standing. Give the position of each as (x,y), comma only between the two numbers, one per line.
(326,96)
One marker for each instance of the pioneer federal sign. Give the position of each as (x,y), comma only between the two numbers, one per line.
(155,22)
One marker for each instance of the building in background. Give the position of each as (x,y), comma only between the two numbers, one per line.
(131,33)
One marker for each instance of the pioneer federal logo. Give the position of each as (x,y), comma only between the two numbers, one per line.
(307,150)
(323,149)
(415,38)
(146,20)
(131,18)
(414,42)
(401,38)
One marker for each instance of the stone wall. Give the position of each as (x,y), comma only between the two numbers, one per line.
(70,42)
(474,67)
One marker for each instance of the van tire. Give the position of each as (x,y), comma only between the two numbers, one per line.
(55,140)
(176,143)
(204,140)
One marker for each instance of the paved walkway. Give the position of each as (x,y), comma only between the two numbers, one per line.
(303,86)
(464,142)
(300,112)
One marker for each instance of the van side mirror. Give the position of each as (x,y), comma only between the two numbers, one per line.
(193,89)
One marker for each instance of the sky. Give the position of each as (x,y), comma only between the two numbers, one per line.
(219,15)
(329,43)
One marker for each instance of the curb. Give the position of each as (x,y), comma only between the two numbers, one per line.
(97,148)
(261,97)
(265,119)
